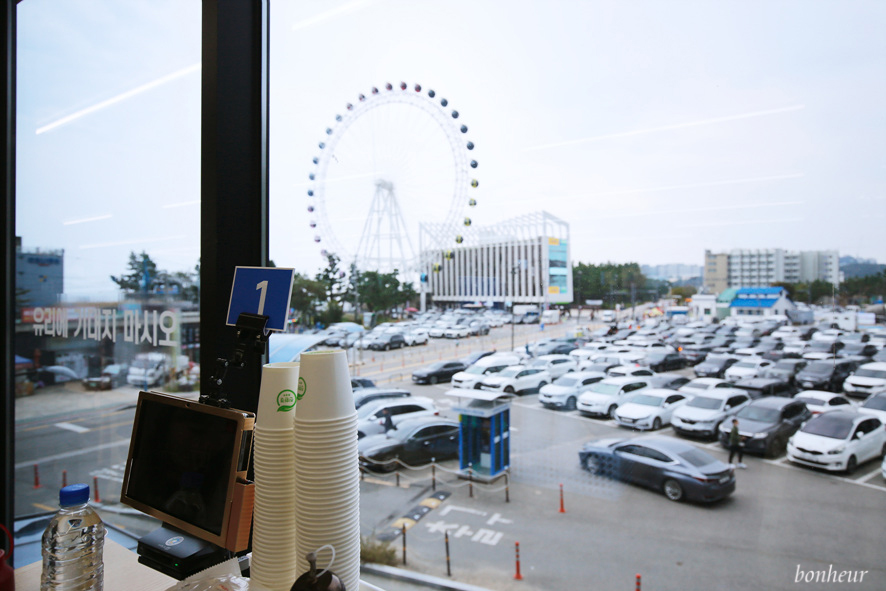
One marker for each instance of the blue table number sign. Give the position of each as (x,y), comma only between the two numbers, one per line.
(261,290)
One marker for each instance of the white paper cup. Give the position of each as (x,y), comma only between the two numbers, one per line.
(277,396)
(327,386)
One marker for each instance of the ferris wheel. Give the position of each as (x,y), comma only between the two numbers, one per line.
(398,157)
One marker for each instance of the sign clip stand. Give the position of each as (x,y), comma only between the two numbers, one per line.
(252,338)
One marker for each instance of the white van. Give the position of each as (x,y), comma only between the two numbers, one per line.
(491,364)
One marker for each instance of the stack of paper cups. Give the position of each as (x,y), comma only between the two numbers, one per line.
(327,484)
(273,535)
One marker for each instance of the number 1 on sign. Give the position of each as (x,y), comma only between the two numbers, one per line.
(263,286)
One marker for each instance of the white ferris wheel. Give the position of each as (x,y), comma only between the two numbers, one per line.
(397,157)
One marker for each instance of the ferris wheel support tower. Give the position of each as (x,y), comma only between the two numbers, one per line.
(384,244)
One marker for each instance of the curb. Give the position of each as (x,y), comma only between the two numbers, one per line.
(429,581)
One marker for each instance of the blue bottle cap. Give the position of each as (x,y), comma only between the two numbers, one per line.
(76,494)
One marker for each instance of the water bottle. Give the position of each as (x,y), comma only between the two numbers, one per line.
(72,544)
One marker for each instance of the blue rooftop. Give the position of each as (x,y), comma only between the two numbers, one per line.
(759,291)
(753,303)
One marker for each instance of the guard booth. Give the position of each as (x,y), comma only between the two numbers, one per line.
(484,444)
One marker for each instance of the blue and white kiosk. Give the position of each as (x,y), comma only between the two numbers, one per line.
(484,447)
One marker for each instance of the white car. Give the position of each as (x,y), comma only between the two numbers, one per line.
(604,397)
(491,364)
(838,441)
(651,408)
(633,371)
(795,348)
(371,420)
(751,367)
(699,385)
(867,378)
(516,379)
(564,392)
(703,415)
(457,331)
(875,405)
(416,336)
(828,335)
(819,401)
(556,365)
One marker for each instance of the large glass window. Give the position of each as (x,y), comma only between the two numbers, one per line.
(108,234)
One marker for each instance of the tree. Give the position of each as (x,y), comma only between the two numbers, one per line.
(142,275)
(612,283)
(306,294)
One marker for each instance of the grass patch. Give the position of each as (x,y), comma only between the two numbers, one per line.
(377,552)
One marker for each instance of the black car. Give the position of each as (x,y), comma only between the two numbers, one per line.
(414,442)
(364,395)
(762,387)
(766,424)
(358,383)
(442,371)
(826,375)
(660,362)
(786,370)
(695,354)
(864,351)
(714,366)
(677,468)
(387,342)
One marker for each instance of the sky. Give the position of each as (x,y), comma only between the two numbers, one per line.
(657,129)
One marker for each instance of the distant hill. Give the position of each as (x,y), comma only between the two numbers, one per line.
(851,260)
(861,269)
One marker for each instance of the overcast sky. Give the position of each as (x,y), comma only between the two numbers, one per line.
(656,129)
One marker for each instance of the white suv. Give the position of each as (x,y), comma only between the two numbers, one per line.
(556,365)
(703,414)
(516,379)
(870,377)
(604,397)
(371,419)
(838,440)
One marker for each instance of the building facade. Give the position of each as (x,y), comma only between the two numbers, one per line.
(525,260)
(761,268)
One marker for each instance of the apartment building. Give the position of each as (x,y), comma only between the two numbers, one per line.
(741,268)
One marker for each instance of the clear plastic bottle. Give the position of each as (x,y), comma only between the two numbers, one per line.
(72,544)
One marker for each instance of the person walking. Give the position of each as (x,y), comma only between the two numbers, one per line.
(389,420)
(736,444)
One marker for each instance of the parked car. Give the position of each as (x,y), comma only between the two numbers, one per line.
(859,351)
(678,469)
(564,391)
(875,405)
(441,371)
(457,331)
(839,440)
(819,402)
(473,358)
(389,341)
(415,442)
(825,375)
(516,379)
(786,370)
(604,397)
(416,336)
(555,365)
(371,419)
(622,371)
(703,415)
(714,366)
(665,361)
(364,396)
(760,387)
(491,364)
(766,424)
(671,381)
(699,385)
(358,382)
(867,378)
(650,408)
(112,376)
(750,367)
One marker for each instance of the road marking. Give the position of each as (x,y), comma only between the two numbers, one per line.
(72,454)
(868,477)
(497,518)
(73,427)
(108,474)
(45,507)
(446,510)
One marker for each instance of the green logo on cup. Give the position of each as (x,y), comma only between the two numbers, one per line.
(302,388)
(286,401)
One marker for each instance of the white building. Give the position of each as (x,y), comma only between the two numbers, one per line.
(525,260)
(761,301)
(762,268)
